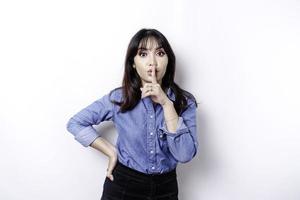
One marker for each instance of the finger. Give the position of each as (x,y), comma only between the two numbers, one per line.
(148,93)
(142,90)
(110,176)
(146,88)
(153,75)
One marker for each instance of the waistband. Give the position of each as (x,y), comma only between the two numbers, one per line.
(142,176)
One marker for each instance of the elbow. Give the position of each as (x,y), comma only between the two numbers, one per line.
(85,135)
(73,127)
(187,156)
(184,160)
(70,125)
(184,151)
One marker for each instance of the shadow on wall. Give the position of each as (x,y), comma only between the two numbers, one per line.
(205,164)
(195,172)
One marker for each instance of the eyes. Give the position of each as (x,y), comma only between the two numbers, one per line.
(144,53)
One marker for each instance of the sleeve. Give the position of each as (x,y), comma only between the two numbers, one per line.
(183,144)
(80,125)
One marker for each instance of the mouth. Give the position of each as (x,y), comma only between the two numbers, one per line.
(150,71)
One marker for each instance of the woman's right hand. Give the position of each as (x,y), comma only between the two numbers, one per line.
(110,151)
(111,165)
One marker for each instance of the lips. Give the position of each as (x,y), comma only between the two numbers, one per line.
(150,71)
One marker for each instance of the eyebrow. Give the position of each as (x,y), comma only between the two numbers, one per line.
(142,48)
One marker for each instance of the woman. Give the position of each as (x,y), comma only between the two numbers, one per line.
(155,120)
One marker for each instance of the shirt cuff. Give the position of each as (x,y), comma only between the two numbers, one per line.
(180,129)
(87,136)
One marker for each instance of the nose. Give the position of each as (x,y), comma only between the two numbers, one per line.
(152,61)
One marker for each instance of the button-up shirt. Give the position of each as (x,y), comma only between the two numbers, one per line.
(144,142)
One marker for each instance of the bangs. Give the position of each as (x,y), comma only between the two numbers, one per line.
(149,42)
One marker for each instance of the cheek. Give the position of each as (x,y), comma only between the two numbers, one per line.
(138,62)
(140,70)
(139,66)
(163,66)
(163,62)
(162,74)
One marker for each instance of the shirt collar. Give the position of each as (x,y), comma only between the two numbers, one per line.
(170,94)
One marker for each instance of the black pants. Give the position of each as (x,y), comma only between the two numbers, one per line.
(129,184)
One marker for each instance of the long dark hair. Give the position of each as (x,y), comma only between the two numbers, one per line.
(131,81)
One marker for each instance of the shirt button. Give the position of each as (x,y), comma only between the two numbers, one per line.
(151,116)
(151,133)
(161,136)
(153,167)
(151,151)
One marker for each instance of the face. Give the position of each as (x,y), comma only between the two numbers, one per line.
(153,55)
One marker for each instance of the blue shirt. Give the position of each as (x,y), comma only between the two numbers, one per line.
(144,142)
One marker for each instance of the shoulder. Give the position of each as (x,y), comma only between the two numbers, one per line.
(115,94)
(190,98)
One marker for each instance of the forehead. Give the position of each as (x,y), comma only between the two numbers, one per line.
(149,43)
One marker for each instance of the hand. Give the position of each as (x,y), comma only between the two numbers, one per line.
(111,165)
(154,90)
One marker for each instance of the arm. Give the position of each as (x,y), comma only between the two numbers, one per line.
(170,115)
(105,147)
(80,125)
(181,131)
(110,151)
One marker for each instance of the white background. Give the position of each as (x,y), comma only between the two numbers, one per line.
(239,58)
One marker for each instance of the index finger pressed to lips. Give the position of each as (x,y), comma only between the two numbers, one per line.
(153,75)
